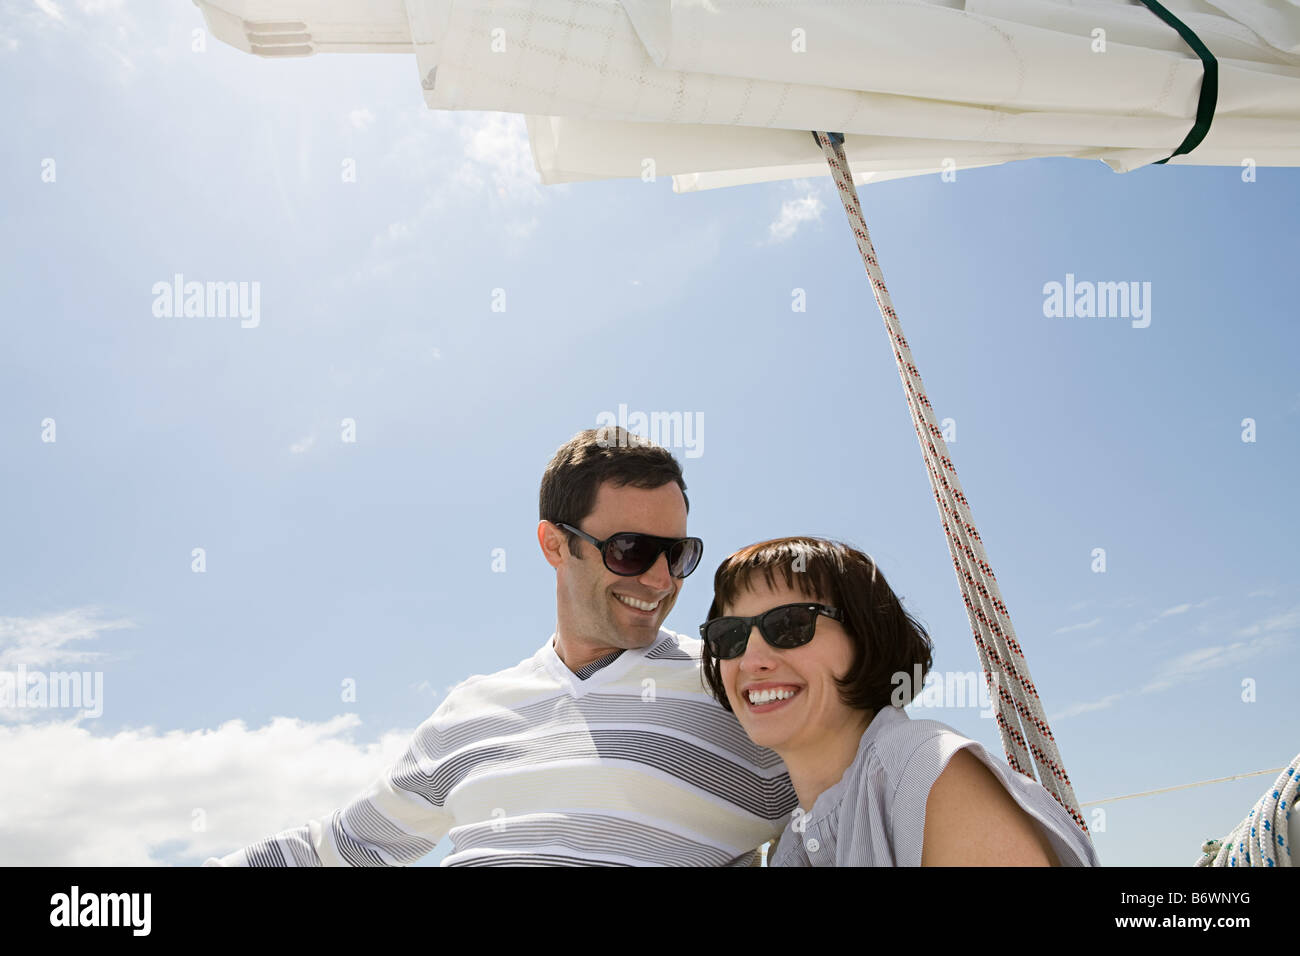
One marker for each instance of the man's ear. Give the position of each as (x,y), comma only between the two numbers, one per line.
(553,541)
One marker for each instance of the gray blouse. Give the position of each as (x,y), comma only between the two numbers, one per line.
(875,814)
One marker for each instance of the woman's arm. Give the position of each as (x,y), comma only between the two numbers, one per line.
(971,820)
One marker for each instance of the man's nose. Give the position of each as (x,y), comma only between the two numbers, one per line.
(658,577)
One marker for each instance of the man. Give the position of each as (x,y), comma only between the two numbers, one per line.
(604,747)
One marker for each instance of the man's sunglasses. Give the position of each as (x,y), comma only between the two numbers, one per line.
(784,627)
(630,553)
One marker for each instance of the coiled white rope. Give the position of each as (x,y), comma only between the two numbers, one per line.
(1260,839)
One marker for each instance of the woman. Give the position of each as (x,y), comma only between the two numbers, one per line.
(824,686)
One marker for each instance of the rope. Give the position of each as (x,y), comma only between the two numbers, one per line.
(1261,838)
(1021,721)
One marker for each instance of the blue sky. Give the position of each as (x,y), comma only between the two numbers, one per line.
(372,560)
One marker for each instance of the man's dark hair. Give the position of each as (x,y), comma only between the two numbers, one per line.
(886,639)
(594,456)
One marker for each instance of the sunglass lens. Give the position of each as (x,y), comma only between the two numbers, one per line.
(726,637)
(787,627)
(684,556)
(629,554)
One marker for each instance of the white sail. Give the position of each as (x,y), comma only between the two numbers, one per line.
(722,92)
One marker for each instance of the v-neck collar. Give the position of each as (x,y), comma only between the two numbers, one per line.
(575,685)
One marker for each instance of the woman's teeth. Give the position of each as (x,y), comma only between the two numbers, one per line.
(639,605)
(767,696)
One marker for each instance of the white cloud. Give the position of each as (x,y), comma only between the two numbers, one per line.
(72,797)
(458,158)
(498,143)
(302,445)
(50,9)
(42,641)
(40,670)
(69,797)
(1078,627)
(1102,704)
(1286,621)
(1174,611)
(1194,663)
(1263,637)
(361,119)
(1181,669)
(1183,608)
(98,29)
(793,213)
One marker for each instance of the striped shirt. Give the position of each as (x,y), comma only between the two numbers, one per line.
(586,670)
(634,765)
(875,814)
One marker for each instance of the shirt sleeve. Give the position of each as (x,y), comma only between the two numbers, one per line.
(1072,845)
(395,821)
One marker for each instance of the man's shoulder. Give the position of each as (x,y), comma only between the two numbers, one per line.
(530,665)
(529,674)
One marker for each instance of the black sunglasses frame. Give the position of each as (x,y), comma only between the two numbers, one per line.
(662,545)
(834,613)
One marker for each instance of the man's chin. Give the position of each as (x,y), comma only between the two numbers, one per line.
(640,635)
(639,629)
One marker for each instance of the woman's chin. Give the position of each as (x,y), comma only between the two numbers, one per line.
(765,733)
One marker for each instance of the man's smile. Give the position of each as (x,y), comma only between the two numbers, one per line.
(644,606)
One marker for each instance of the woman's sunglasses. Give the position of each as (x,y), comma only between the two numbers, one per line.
(630,553)
(784,627)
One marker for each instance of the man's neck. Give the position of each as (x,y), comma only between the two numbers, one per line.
(815,769)
(576,656)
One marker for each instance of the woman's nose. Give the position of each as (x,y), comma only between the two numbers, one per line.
(758,653)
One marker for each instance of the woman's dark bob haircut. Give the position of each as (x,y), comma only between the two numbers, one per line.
(888,643)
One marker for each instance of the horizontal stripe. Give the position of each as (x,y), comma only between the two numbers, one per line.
(634,765)
(582,673)
(595,834)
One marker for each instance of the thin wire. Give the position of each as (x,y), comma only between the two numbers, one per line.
(1184,786)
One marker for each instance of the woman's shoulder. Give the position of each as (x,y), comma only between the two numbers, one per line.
(913,754)
(901,746)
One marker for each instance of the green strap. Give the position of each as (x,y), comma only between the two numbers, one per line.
(1209,85)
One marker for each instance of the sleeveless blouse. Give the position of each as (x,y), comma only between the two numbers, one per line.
(875,814)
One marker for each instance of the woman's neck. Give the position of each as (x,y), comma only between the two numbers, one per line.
(816,768)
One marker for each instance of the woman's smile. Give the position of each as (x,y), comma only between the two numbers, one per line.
(768,696)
